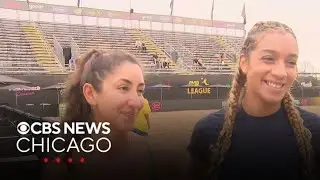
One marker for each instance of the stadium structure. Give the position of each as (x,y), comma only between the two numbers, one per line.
(38,40)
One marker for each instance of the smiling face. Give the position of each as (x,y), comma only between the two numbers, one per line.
(271,67)
(120,97)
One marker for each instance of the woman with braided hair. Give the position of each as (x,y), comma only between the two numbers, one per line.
(261,134)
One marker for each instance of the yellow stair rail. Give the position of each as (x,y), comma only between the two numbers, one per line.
(150,45)
(221,41)
(44,55)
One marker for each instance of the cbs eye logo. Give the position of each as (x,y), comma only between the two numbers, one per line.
(23,128)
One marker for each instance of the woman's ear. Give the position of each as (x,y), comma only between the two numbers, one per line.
(244,64)
(90,94)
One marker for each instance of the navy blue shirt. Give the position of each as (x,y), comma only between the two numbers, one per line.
(262,148)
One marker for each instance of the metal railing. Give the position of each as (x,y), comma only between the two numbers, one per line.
(183,54)
(45,43)
(58,50)
(75,50)
(180,62)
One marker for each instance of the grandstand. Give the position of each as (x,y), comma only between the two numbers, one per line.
(23,50)
(35,45)
(191,46)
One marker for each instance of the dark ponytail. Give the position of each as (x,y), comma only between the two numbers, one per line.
(77,108)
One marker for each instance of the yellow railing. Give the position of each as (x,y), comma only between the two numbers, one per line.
(150,45)
(44,54)
(221,41)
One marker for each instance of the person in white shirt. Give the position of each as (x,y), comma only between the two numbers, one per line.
(138,45)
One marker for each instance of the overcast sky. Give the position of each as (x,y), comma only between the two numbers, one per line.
(301,15)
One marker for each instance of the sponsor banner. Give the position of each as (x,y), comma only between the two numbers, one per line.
(149,17)
(37,88)
(103,13)
(50,8)
(62,9)
(39,7)
(28,93)
(93,12)
(209,23)
(156,106)
(17,5)
(72,10)
(186,21)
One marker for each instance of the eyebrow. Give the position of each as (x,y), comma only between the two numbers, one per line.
(293,56)
(129,82)
(275,52)
(269,51)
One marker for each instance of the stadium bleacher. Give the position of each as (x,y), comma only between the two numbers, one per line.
(191,46)
(18,55)
(34,45)
(106,38)
(23,46)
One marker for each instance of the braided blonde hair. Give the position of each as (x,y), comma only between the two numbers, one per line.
(236,94)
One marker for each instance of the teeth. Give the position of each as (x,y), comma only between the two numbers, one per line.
(274,85)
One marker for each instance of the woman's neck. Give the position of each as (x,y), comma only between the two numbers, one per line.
(257,108)
(118,139)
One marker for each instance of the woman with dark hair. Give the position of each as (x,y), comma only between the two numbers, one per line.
(106,87)
(261,134)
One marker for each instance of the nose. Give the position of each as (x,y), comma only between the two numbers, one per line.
(279,70)
(136,101)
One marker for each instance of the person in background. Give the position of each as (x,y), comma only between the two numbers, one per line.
(142,123)
(200,63)
(155,58)
(260,134)
(138,45)
(144,48)
(71,64)
(221,65)
(166,63)
(160,62)
(195,63)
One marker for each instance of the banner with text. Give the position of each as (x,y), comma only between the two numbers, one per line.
(73,10)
